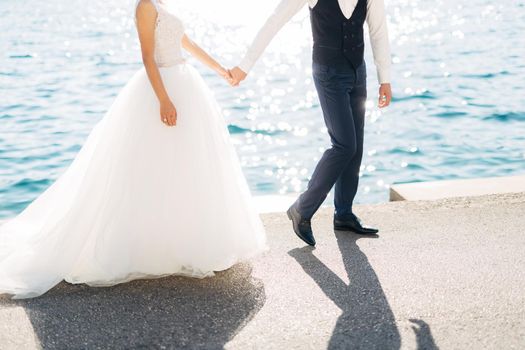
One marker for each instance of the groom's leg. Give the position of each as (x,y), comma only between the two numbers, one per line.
(333,89)
(347,183)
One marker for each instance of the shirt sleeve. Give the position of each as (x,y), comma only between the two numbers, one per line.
(377,27)
(280,16)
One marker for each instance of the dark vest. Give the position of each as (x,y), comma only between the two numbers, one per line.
(338,41)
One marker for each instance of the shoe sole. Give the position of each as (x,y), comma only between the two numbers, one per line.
(339,228)
(298,235)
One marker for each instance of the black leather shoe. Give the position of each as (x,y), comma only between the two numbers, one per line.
(302,227)
(354,224)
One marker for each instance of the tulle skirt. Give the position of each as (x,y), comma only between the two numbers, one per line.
(139,200)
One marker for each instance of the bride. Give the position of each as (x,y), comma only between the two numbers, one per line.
(145,196)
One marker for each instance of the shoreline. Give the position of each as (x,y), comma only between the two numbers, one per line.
(416,191)
(450,190)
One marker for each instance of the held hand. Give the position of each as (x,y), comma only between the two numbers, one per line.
(385,95)
(225,73)
(168,113)
(238,75)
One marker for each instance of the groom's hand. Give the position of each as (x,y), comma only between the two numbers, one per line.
(238,75)
(385,95)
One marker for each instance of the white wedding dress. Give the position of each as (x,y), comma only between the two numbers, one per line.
(140,199)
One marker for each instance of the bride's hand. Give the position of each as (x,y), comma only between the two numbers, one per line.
(223,72)
(168,113)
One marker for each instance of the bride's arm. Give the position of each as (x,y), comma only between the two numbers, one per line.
(197,52)
(146,17)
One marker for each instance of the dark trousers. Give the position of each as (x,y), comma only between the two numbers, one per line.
(342,93)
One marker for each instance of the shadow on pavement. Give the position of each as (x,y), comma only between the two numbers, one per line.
(367,321)
(171,312)
(424,338)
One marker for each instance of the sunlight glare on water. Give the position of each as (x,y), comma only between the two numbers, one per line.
(458,79)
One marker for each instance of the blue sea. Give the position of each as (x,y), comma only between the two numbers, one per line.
(458,80)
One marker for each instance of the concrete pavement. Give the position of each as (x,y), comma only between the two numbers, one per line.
(446,274)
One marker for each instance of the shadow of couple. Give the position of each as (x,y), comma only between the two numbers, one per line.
(179,312)
(367,321)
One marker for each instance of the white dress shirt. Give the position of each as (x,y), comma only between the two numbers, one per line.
(375,18)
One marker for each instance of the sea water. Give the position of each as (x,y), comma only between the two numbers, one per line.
(458,81)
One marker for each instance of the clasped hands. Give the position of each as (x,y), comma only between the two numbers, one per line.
(233,76)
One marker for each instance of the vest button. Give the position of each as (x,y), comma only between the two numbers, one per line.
(346,36)
(353,22)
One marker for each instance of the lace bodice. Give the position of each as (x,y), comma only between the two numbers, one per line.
(169,30)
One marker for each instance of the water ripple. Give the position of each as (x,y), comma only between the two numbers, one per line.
(235,129)
(506,117)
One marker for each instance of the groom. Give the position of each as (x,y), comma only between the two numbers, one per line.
(339,73)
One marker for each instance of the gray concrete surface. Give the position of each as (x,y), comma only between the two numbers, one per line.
(446,274)
(432,190)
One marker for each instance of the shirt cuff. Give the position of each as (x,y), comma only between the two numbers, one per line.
(383,75)
(246,65)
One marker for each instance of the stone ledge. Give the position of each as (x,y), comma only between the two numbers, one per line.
(432,190)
